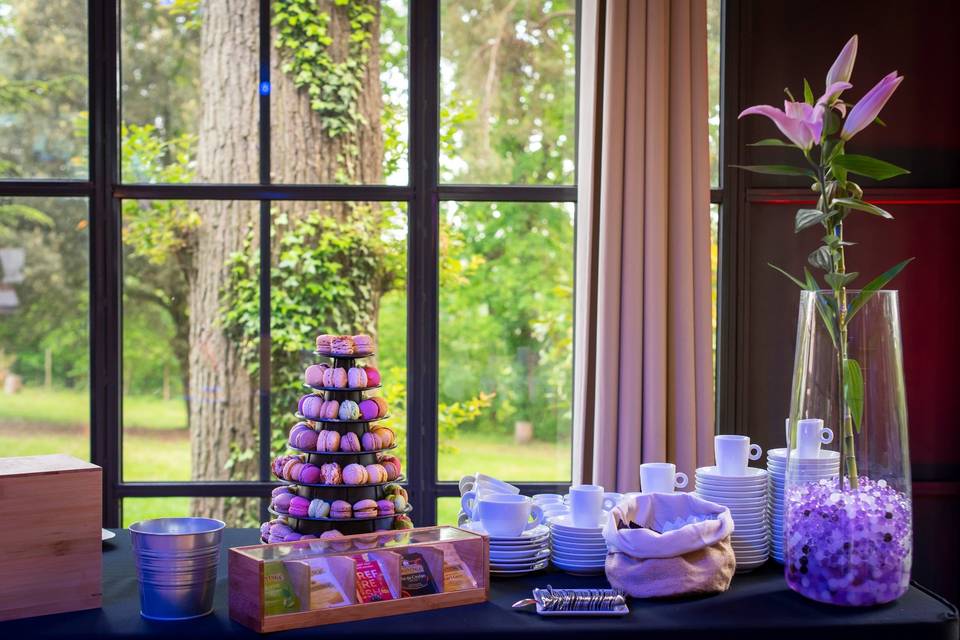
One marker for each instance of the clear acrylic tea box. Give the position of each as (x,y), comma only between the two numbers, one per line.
(312,582)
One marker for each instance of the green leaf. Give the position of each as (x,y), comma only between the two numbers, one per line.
(867,166)
(853,390)
(873,286)
(838,280)
(807,93)
(860,205)
(795,281)
(828,315)
(806,218)
(776,169)
(821,258)
(772,142)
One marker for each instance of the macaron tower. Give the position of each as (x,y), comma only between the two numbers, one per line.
(340,475)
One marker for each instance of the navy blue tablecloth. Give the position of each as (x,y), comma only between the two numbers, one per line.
(758,605)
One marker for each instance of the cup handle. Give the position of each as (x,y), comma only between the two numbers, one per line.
(826,435)
(681,480)
(467,500)
(608,504)
(537,513)
(462,519)
(755,451)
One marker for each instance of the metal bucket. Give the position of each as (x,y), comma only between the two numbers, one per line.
(176,566)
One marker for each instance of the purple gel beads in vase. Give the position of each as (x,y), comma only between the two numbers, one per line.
(848,540)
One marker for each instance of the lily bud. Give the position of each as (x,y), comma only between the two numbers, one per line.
(867,110)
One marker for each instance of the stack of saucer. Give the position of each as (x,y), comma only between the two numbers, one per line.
(826,464)
(577,550)
(746,497)
(519,555)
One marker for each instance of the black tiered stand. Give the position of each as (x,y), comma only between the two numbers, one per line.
(348,493)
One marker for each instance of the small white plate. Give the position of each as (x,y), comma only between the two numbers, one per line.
(106,534)
(708,491)
(565,523)
(586,569)
(517,572)
(825,454)
(507,556)
(559,534)
(573,546)
(712,473)
(520,564)
(527,536)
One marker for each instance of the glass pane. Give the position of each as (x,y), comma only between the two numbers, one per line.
(338,95)
(714,270)
(190,385)
(43,89)
(351,285)
(506,334)
(189,112)
(447,510)
(137,509)
(713,95)
(508,92)
(44,305)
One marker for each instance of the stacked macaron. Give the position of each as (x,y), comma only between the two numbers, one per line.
(305,438)
(295,469)
(279,530)
(357,345)
(373,408)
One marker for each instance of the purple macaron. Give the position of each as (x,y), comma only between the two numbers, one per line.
(281,503)
(298,507)
(369,410)
(309,474)
(310,407)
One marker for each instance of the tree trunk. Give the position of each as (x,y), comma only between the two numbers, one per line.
(223,405)
(223,396)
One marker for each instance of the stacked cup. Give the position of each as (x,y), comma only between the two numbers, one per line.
(519,543)
(743,490)
(576,538)
(813,464)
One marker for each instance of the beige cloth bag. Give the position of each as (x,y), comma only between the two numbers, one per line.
(683,546)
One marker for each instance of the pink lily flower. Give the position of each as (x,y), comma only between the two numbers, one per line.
(842,67)
(801,123)
(867,110)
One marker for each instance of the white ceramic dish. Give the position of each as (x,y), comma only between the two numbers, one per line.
(704,490)
(576,564)
(561,534)
(712,473)
(517,572)
(565,523)
(825,454)
(518,555)
(538,531)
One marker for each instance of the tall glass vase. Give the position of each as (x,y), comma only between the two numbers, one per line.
(848,537)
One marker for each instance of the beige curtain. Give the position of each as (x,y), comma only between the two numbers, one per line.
(644,364)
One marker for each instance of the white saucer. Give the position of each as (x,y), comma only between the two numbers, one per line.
(824,454)
(585,546)
(106,534)
(517,572)
(719,489)
(565,523)
(712,473)
(582,564)
(560,534)
(518,555)
(535,533)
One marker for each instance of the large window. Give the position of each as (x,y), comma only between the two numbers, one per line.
(190,192)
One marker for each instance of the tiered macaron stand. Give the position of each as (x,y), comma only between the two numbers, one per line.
(345,492)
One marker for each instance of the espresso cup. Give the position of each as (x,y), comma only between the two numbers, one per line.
(661,477)
(483,481)
(505,515)
(586,505)
(468,501)
(810,435)
(733,454)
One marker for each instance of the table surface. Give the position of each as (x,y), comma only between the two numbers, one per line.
(757,605)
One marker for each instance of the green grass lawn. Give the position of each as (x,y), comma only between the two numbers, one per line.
(166,456)
(68,407)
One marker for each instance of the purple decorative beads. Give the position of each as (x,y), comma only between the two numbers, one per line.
(848,547)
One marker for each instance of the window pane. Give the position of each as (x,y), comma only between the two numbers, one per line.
(340,268)
(190,385)
(447,510)
(136,509)
(189,112)
(338,99)
(43,89)
(44,304)
(508,92)
(713,75)
(714,270)
(506,333)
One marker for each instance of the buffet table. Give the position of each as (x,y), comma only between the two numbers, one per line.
(758,605)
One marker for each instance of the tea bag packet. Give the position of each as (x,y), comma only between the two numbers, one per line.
(278,593)
(372,582)
(415,576)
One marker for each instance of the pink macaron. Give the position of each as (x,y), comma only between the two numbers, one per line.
(373,376)
(313,376)
(298,507)
(306,440)
(281,503)
(349,442)
(371,442)
(309,474)
(310,407)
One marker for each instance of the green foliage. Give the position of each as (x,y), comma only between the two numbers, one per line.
(333,86)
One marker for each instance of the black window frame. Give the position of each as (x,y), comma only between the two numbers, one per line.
(423,195)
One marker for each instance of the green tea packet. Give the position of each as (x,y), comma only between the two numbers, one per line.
(278,594)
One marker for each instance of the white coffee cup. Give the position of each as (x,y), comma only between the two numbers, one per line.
(483,481)
(610,500)
(810,435)
(506,515)
(586,505)
(544,499)
(733,454)
(661,477)
(554,510)
(468,501)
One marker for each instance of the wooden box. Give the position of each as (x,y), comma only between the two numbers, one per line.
(291,585)
(50,545)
